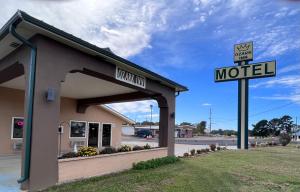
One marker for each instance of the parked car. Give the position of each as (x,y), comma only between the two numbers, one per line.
(144,133)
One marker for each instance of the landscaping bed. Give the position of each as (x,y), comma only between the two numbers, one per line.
(260,169)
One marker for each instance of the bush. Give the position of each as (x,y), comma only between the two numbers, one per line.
(218,148)
(154,163)
(108,150)
(186,155)
(137,148)
(87,151)
(224,148)
(199,151)
(284,139)
(69,155)
(124,148)
(253,145)
(203,150)
(193,152)
(206,150)
(147,146)
(212,147)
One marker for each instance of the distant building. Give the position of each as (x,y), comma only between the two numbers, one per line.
(133,129)
(296,136)
(184,131)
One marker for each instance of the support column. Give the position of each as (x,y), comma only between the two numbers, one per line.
(243,85)
(44,141)
(167,123)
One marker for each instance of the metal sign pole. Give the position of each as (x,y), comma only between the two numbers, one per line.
(243,86)
(243,53)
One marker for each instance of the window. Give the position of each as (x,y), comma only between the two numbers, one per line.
(17,127)
(77,129)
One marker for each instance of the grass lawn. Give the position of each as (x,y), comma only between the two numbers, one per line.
(262,169)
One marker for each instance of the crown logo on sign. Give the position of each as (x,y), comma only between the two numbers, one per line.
(244,47)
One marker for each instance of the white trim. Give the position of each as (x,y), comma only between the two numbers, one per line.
(88,125)
(111,126)
(12,128)
(71,130)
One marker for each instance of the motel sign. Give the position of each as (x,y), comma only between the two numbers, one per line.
(243,53)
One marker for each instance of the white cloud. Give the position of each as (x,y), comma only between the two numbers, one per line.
(206,104)
(148,116)
(286,81)
(290,68)
(124,26)
(134,107)
(293,98)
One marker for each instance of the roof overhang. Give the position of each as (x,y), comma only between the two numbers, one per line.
(29,26)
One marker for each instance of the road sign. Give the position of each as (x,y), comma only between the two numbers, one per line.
(243,52)
(256,70)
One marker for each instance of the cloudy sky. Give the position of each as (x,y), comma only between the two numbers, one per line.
(185,40)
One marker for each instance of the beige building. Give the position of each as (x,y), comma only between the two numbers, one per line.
(99,127)
(50,65)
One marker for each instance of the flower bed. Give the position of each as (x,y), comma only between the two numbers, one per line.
(84,167)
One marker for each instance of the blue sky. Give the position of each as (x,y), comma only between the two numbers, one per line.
(185,40)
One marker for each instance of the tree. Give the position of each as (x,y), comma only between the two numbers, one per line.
(185,123)
(286,124)
(262,129)
(274,125)
(201,127)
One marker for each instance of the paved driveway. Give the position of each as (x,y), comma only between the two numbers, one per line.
(10,171)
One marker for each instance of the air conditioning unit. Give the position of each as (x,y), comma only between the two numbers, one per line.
(78,143)
(17,146)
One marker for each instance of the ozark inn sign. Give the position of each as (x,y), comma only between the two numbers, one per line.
(243,53)
(264,69)
(131,78)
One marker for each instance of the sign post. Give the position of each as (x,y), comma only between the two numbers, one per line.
(243,53)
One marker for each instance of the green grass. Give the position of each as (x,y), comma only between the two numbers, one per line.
(262,169)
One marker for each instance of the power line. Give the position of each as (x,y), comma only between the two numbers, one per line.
(259,113)
(272,109)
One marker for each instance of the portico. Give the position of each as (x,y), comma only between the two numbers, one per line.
(47,64)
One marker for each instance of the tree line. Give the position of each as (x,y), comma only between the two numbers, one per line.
(274,127)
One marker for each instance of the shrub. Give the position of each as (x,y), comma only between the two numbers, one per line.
(154,163)
(218,148)
(284,139)
(87,151)
(253,145)
(212,147)
(69,155)
(186,155)
(207,150)
(137,148)
(199,151)
(203,150)
(108,150)
(147,146)
(124,148)
(224,148)
(193,151)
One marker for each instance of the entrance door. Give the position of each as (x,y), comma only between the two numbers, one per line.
(93,134)
(106,135)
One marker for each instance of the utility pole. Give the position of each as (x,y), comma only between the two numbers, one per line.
(295,135)
(210,120)
(151,106)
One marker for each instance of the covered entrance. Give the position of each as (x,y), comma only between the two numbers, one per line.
(66,77)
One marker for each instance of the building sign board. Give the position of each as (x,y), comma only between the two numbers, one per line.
(243,52)
(256,70)
(131,78)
